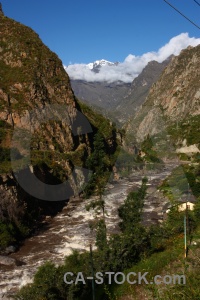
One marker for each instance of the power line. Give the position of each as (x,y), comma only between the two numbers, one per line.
(197,2)
(182,14)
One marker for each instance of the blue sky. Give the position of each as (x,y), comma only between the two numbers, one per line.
(84,31)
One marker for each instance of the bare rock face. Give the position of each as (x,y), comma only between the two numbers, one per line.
(173,98)
(33,78)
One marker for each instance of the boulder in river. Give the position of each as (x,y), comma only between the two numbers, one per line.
(10,249)
(9,261)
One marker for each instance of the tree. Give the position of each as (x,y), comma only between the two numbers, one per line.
(96,205)
(131,211)
(128,247)
(101,235)
(197,210)
(99,163)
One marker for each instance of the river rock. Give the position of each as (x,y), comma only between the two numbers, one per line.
(7,261)
(10,249)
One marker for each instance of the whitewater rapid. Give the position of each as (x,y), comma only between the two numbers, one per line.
(70,229)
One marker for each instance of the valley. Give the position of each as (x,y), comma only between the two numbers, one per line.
(128,146)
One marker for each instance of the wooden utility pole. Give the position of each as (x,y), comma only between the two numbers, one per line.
(186,224)
(187,219)
(92,266)
(185,237)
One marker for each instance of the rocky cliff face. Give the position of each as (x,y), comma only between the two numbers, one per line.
(173,102)
(31,75)
(36,100)
(32,82)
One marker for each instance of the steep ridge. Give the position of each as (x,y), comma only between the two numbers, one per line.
(36,100)
(139,89)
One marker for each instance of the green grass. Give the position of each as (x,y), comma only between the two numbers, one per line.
(170,261)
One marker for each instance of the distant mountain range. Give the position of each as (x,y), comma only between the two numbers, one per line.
(118,100)
(101,94)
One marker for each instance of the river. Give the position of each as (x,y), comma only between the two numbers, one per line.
(70,228)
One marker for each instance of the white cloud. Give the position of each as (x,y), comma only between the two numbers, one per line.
(132,65)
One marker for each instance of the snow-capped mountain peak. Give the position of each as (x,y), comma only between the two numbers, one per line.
(100,63)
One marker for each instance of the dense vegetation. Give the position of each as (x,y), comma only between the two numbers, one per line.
(187,129)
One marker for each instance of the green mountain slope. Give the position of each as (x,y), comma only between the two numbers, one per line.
(36,98)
